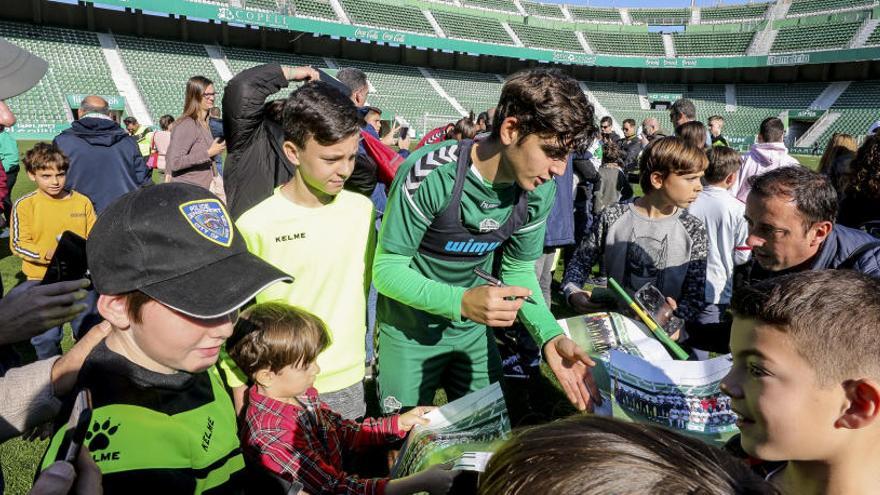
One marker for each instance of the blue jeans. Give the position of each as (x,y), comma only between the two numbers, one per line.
(48,343)
(379,200)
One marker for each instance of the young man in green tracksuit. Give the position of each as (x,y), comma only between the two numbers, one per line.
(451,208)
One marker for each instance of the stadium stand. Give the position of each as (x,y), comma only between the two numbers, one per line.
(397,17)
(268,5)
(859,107)
(874,39)
(800,38)
(661,17)
(401,90)
(240,59)
(625,43)
(708,98)
(543,10)
(470,27)
(76,66)
(473,90)
(622,96)
(501,5)
(782,95)
(160,69)
(588,14)
(733,13)
(319,9)
(811,6)
(715,43)
(554,39)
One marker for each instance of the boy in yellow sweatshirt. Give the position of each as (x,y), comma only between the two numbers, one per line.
(323,236)
(38,219)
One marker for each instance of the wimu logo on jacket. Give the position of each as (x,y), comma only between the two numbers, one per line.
(470,246)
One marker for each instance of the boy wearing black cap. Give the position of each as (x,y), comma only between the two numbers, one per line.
(171,271)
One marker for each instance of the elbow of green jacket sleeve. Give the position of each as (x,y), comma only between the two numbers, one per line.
(394,278)
(536,317)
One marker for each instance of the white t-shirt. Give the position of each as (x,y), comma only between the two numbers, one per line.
(726,227)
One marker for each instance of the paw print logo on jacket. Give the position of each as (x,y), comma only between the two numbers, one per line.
(98,437)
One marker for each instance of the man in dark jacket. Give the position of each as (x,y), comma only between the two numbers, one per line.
(255,160)
(105,161)
(607,130)
(791,213)
(630,145)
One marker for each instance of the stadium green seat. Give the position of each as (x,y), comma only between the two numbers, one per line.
(625,43)
(812,37)
(661,17)
(589,14)
(733,13)
(502,5)
(269,5)
(554,39)
(812,6)
(474,91)
(470,27)
(161,68)
(874,39)
(543,9)
(319,9)
(712,43)
(397,17)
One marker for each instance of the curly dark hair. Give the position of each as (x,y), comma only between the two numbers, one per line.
(865,177)
(548,103)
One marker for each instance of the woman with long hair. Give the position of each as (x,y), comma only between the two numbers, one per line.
(860,202)
(191,153)
(835,161)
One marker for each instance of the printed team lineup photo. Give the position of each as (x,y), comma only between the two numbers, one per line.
(465,247)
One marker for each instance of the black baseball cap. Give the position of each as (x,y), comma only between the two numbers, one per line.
(176,243)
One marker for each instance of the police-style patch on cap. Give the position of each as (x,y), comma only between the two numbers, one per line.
(209,218)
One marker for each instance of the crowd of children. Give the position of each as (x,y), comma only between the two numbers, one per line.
(188,396)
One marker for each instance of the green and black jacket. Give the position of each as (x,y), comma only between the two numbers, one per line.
(156,433)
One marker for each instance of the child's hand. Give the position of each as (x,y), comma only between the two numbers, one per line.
(413,417)
(666,313)
(49,254)
(436,480)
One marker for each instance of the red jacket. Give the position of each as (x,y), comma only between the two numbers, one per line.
(309,444)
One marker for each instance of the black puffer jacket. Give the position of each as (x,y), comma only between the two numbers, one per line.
(255,161)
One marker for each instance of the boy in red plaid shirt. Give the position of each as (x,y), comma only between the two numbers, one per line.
(289,431)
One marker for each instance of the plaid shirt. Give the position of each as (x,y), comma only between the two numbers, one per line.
(308,444)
